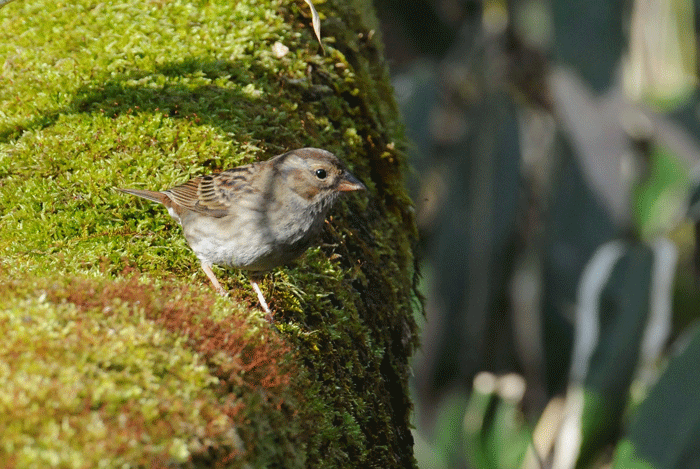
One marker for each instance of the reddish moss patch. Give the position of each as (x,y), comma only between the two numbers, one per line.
(112,390)
(256,360)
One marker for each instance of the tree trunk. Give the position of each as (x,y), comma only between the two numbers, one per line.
(116,347)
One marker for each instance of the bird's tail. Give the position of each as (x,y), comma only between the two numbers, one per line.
(150,195)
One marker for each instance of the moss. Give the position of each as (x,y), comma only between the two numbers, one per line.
(98,95)
(123,371)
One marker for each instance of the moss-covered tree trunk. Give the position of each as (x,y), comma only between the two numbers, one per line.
(115,349)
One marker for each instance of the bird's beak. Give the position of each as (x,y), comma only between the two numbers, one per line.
(350,183)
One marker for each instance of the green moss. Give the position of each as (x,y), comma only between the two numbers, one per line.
(96,96)
(129,373)
(85,384)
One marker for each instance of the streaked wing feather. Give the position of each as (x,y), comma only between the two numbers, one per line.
(212,195)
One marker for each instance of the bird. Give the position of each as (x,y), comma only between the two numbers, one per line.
(257,216)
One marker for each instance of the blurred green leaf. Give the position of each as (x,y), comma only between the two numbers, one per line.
(626,458)
(623,320)
(589,38)
(661,197)
(665,433)
(495,428)
(578,225)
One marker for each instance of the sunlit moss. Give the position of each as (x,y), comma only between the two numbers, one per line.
(81,385)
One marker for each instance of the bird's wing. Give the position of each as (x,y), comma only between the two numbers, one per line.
(214,195)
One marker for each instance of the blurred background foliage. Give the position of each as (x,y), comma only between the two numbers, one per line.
(555,156)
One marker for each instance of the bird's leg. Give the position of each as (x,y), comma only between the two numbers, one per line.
(261,299)
(222,292)
(217,286)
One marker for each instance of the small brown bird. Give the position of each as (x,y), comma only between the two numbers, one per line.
(257,216)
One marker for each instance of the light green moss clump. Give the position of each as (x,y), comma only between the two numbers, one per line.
(84,386)
(116,369)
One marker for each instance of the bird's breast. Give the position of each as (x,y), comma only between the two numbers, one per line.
(251,240)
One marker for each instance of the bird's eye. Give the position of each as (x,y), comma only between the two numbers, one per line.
(321,173)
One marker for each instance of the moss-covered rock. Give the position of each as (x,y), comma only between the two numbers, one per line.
(117,351)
